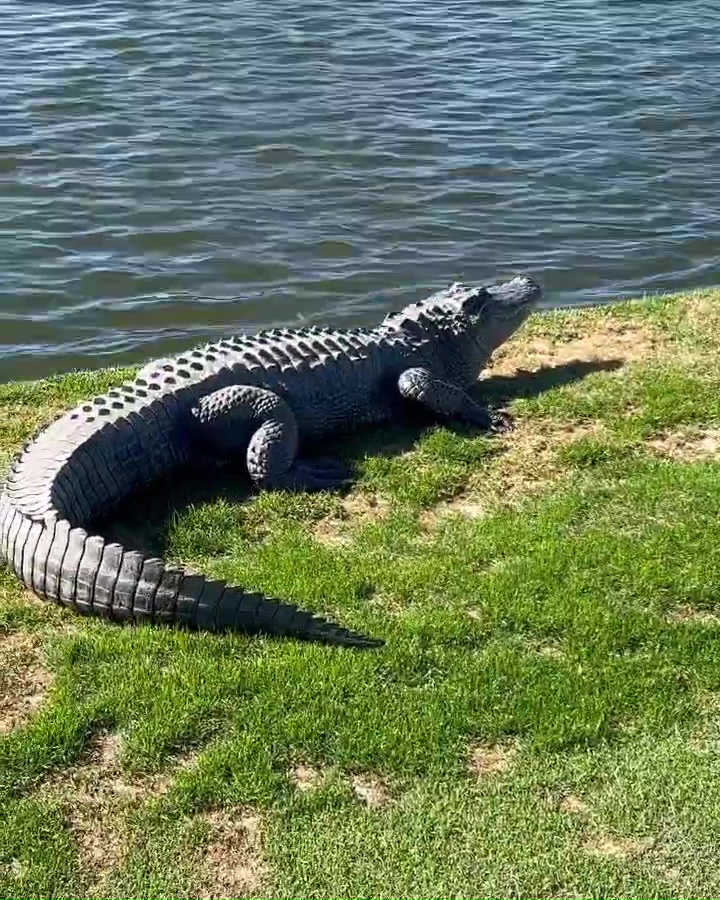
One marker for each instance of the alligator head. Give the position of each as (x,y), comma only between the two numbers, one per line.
(466,324)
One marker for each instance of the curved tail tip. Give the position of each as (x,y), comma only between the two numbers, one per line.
(367,643)
(344,638)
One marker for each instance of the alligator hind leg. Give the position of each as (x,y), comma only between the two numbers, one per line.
(242,416)
(449,401)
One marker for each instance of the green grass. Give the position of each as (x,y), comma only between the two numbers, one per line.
(544,719)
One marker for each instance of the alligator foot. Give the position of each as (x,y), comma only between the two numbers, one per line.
(449,402)
(500,422)
(495,421)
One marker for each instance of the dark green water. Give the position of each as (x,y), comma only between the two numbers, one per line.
(324,162)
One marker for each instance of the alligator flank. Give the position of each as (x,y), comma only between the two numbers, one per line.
(263,396)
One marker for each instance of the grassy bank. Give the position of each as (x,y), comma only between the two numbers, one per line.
(544,719)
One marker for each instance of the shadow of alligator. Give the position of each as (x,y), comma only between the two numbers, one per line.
(144,520)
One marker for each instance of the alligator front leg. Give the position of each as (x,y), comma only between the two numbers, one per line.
(448,401)
(247,416)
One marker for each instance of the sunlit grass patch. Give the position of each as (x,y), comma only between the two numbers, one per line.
(543,717)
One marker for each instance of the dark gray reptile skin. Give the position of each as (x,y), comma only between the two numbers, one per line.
(258,397)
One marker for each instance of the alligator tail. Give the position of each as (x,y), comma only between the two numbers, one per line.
(96,577)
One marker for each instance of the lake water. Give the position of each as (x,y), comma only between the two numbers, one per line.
(172,172)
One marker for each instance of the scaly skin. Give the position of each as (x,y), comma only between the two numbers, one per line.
(264,396)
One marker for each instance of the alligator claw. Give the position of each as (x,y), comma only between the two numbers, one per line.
(495,421)
(500,422)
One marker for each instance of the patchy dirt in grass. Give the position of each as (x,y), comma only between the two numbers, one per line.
(306,778)
(233,865)
(705,737)
(356,509)
(92,795)
(573,805)
(364,507)
(687,445)
(99,775)
(530,461)
(604,340)
(529,465)
(618,847)
(687,613)
(96,796)
(547,648)
(708,704)
(101,842)
(15,869)
(476,615)
(371,790)
(491,759)
(683,881)
(24,679)
(705,742)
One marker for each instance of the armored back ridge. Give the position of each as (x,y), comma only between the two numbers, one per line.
(261,397)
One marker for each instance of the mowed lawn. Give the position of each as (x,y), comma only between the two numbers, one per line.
(543,720)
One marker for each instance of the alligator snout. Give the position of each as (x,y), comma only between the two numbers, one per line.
(519,291)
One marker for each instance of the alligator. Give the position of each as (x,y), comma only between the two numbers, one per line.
(266,396)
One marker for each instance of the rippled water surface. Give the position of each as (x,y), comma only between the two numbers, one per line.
(326,161)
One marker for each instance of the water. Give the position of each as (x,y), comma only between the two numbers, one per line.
(172,172)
